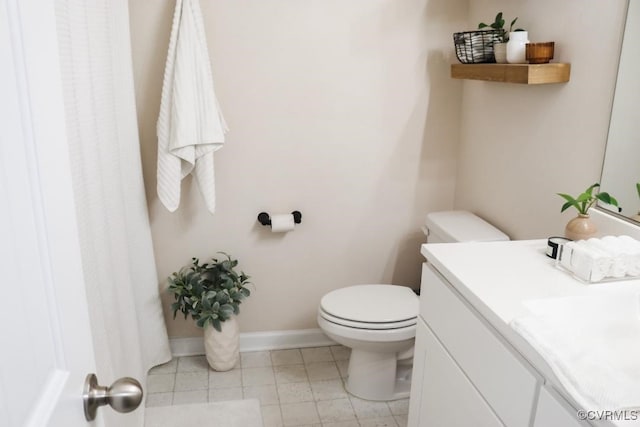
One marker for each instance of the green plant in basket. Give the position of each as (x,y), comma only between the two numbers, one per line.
(585,200)
(210,292)
(498,24)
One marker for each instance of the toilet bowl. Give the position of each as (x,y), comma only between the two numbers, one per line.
(378,322)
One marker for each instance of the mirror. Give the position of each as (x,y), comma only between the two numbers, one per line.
(621,166)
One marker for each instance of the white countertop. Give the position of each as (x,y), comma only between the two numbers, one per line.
(496,278)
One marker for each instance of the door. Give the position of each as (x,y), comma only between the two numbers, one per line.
(46,339)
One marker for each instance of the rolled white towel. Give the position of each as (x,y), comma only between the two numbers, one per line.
(632,249)
(586,262)
(603,257)
(612,245)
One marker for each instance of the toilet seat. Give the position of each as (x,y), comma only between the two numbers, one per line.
(376,307)
(366,325)
(371,336)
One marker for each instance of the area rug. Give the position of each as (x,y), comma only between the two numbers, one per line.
(235,413)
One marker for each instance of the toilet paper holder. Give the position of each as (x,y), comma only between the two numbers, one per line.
(265,219)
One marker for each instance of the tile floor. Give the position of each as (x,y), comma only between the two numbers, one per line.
(298,387)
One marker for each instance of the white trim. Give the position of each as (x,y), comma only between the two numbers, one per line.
(610,224)
(257,341)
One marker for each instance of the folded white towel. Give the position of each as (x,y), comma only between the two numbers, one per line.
(631,247)
(190,125)
(592,344)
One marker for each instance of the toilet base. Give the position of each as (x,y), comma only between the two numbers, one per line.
(378,376)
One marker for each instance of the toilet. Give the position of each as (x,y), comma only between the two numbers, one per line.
(378,321)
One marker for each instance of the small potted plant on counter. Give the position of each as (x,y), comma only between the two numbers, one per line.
(500,48)
(211,294)
(636,217)
(581,227)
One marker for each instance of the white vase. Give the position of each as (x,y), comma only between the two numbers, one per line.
(517,47)
(500,52)
(222,348)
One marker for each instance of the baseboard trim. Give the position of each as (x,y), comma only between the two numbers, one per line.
(257,341)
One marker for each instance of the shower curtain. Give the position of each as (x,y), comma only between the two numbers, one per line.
(117,254)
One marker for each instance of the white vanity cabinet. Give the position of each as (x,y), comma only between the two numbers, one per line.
(467,371)
(445,396)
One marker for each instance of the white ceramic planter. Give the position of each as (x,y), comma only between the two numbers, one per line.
(500,52)
(222,348)
(517,47)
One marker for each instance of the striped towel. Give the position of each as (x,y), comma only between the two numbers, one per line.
(190,125)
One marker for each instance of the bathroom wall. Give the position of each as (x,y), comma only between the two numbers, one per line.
(340,109)
(520,145)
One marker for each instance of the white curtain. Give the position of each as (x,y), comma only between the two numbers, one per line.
(117,254)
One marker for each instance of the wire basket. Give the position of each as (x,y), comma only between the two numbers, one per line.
(476,47)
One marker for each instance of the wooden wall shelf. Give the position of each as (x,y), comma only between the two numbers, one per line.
(531,74)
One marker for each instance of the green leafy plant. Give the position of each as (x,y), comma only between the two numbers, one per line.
(498,24)
(210,292)
(585,200)
(638,189)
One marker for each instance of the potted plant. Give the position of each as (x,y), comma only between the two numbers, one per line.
(581,227)
(500,48)
(636,217)
(211,293)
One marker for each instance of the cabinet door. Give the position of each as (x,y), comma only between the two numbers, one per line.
(444,396)
(505,380)
(554,411)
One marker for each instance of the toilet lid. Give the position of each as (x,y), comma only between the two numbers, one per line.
(372,303)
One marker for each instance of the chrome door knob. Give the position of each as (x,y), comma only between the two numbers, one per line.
(124,395)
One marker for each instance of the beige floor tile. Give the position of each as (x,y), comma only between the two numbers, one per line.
(378,422)
(286,357)
(193,364)
(317,354)
(353,423)
(343,367)
(167,368)
(299,414)
(295,392)
(257,376)
(335,410)
(266,394)
(401,420)
(159,399)
(369,409)
(189,381)
(255,359)
(399,407)
(232,378)
(194,396)
(271,416)
(161,383)
(319,371)
(328,390)
(225,394)
(290,374)
(340,352)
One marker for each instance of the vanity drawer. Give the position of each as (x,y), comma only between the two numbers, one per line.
(503,378)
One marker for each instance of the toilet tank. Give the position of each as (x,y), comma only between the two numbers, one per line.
(460,226)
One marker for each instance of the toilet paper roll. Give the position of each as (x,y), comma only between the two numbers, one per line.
(282,223)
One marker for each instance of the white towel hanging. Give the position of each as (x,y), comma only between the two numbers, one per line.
(190,125)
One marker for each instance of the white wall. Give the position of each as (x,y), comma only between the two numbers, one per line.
(522,144)
(340,109)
